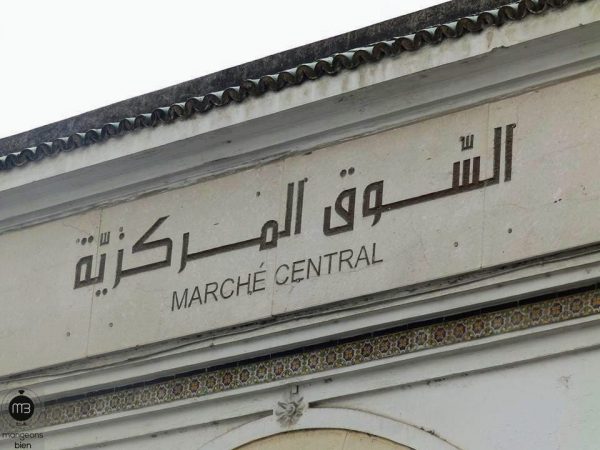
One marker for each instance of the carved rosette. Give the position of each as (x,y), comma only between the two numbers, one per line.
(288,413)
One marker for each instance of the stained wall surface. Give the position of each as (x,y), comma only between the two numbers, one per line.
(446,196)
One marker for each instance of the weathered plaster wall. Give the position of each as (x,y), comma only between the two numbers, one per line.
(524,205)
(550,404)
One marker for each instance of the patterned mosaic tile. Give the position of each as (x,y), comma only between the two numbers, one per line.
(345,354)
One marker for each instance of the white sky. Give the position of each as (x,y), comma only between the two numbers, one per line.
(60,58)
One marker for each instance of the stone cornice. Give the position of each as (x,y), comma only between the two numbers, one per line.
(439,333)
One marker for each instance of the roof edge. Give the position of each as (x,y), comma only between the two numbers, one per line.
(13,155)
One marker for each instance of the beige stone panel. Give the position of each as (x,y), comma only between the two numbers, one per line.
(551,203)
(361,441)
(435,238)
(432,239)
(323,440)
(43,319)
(548,205)
(300,440)
(216,213)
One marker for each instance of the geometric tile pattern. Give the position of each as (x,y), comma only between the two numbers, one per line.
(329,356)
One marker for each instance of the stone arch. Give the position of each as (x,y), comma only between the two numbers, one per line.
(322,438)
(398,434)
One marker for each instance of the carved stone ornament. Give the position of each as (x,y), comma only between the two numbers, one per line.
(288,413)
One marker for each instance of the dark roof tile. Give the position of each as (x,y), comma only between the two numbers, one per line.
(253,87)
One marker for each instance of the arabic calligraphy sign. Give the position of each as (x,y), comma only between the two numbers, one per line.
(464,179)
(238,249)
(405,206)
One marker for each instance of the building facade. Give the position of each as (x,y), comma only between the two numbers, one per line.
(390,247)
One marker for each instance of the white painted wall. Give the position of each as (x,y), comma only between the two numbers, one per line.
(547,405)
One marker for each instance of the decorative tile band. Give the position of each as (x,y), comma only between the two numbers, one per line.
(331,356)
